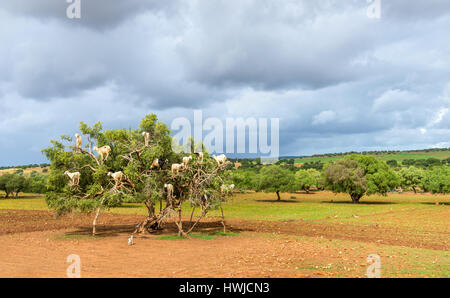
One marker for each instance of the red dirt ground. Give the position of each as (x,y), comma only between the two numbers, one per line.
(35,244)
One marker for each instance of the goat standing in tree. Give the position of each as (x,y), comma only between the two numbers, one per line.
(74,178)
(103,152)
(78,143)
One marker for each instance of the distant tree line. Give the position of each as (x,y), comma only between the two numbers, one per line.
(356,175)
(14,183)
(381,152)
(42,165)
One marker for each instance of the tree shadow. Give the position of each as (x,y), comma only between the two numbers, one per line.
(21,197)
(169,228)
(440,203)
(311,192)
(360,203)
(131,206)
(280,201)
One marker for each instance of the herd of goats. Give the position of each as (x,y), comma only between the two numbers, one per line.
(118,177)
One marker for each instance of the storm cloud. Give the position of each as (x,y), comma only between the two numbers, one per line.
(337,79)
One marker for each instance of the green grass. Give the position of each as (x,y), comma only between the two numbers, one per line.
(396,261)
(209,236)
(24,203)
(218,233)
(175,237)
(261,206)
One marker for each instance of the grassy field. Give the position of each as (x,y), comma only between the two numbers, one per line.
(410,232)
(394,156)
(26,172)
(263,206)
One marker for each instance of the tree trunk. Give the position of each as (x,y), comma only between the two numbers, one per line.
(414,189)
(181,233)
(150,208)
(203,213)
(355,198)
(278,196)
(94,223)
(192,214)
(223,220)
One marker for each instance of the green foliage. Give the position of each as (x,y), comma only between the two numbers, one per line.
(96,189)
(17,182)
(358,175)
(392,163)
(318,165)
(411,177)
(437,180)
(141,182)
(245,179)
(424,163)
(275,178)
(306,179)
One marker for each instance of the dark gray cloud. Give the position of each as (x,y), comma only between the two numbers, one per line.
(337,79)
(98,14)
(415,10)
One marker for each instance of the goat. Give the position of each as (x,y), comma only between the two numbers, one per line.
(130,240)
(78,143)
(186,160)
(146,138)
(103,152)
(221,159)
(74,177)
(118,177)
(155,164)
(169,188)
(162,162)
(200,156)
(176,167)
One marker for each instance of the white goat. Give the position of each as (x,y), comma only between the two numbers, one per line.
(130,240)
(169,188)
(103,152)
(78,143)
(74,177)
(176,168)
(146,138)
(117,176)
(186,160)
(200,156)
(221,159)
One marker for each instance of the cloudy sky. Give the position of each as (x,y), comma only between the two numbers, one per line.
(337,79)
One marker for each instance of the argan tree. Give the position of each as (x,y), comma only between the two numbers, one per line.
(276,179)
(136,171)
(360,175)
(437,180)
(305,179)
(411,177)
(13,183)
